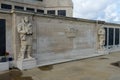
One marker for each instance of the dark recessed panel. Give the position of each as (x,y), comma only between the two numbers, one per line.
(105,37)
(6,6)
(2,37)
(111,30)
(62,12)
(116,36)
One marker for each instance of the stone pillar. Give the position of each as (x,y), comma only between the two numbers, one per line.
(107,38)
(113,37)
(14,37)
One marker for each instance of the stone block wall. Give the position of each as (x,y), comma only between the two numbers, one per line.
(62,40)
(55,39)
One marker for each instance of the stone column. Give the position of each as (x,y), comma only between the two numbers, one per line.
(113,37)
(107,38)
(14,36)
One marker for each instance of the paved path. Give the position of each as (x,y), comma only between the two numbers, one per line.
(98,68)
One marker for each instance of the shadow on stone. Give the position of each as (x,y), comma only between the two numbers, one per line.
(117,64)
(14,75)
(46,68)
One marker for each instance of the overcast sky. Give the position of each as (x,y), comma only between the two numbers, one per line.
(108,10)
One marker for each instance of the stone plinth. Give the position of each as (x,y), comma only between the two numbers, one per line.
(4,66)
(103,52)
(26,63)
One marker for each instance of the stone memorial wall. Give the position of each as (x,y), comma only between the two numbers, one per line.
(36,40)
(58,39)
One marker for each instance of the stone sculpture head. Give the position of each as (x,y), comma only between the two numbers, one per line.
(26,19)
(101,31)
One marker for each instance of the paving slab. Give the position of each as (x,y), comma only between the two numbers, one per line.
(97,68)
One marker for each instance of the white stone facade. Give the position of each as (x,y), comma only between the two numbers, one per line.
(58,39)
(53,7)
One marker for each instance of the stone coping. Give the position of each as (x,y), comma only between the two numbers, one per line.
(57,17)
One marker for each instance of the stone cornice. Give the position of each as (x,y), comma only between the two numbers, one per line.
(58,17)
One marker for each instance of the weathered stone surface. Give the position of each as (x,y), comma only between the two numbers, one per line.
(50,43)
(25,35)
(101,38)
(26,63)
(44,5)
(87,69)
(4,66)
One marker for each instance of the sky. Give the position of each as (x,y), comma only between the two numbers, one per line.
(107,10)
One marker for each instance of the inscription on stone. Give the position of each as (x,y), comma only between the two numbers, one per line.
(71,32)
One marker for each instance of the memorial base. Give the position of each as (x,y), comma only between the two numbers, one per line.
(4,66)
(103,52)
(26,64)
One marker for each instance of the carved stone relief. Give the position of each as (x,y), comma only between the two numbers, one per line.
(24,28)
(71,32)
(101,38)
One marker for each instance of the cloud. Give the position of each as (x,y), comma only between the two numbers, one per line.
(111,13)
(107,10)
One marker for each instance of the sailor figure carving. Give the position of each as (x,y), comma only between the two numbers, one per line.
(101,38)
(25,33)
